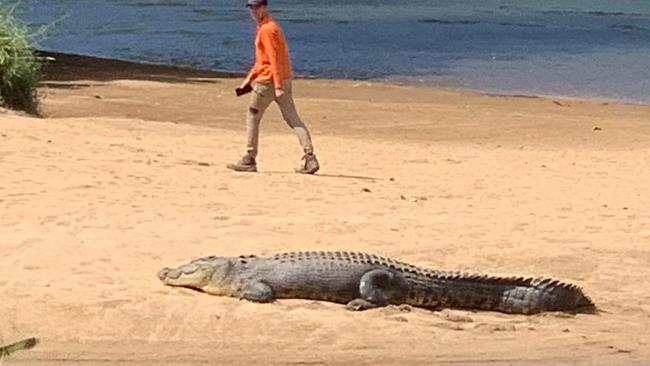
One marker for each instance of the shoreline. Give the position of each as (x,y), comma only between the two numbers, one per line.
(70,65)
(139,69)
(83,86)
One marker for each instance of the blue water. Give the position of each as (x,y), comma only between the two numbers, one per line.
(585,48)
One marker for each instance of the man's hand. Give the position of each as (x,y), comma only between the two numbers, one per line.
(279,92)
(243,89)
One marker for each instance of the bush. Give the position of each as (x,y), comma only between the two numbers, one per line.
(20,68)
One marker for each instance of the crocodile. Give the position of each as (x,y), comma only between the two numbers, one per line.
(365,281)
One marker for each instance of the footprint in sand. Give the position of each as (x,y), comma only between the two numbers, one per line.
(48,219)
(456,317)
(112,304)
(311,305)
(27,243)
(494,328)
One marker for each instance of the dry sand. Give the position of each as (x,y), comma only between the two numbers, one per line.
(126,174)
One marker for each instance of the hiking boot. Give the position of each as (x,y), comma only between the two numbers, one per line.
(246,164)
(309,165)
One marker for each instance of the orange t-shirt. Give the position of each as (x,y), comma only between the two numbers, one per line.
(272,62)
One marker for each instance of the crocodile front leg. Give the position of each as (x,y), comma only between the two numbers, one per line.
(258,292)
(377,288)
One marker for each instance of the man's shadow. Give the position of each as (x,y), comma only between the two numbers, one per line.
(280,172)
(344,176)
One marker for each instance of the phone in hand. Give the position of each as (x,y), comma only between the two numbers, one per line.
(244,90)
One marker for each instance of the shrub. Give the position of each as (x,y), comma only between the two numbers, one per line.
(20,68)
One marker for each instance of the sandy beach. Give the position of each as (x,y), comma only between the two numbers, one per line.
(125,174)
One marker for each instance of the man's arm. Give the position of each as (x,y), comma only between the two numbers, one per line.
(246,86)
(270,42)
(250,77)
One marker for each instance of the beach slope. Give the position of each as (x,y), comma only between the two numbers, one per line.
(126,174)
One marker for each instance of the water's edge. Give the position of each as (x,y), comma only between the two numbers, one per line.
(69,67)
(593,49)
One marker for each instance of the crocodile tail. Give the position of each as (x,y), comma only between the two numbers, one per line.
(530,296)
(509,295)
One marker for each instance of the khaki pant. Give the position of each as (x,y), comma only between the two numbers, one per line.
(261,98)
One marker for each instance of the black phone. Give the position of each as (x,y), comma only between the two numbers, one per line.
(245,90)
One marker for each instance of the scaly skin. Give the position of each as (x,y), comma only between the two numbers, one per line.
(364,281)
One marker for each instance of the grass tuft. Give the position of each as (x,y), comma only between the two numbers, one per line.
(20,68)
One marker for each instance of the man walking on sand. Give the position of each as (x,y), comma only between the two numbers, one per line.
(270,80)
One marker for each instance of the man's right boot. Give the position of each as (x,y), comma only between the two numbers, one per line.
(309,164)
(246,164)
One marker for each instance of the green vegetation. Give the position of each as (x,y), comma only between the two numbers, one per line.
(18,346)
(20,67)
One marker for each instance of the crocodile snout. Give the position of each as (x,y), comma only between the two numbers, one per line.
(162,274)
(169,274)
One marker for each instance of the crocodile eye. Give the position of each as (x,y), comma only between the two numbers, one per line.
(190,268)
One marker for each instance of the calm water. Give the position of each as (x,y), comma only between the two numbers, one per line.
(589,48)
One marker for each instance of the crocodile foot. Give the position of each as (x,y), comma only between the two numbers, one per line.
(360,304)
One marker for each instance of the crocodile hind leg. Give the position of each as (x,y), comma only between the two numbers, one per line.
(257,292)
(378,288)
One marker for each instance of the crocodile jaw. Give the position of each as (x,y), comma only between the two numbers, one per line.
(213,275)
(188,275)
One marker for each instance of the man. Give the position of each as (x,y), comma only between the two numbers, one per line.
(270,80)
